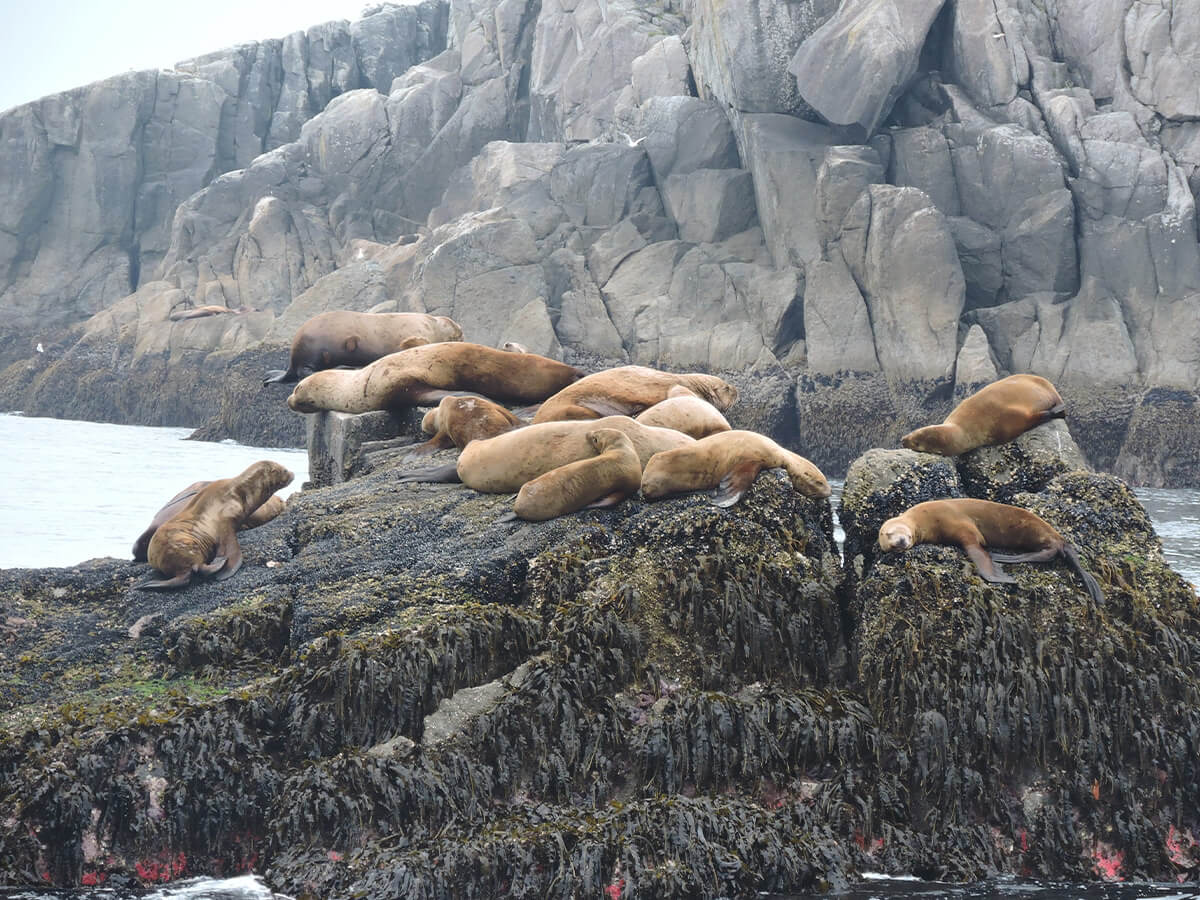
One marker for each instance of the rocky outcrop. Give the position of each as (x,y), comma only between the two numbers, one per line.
(686,185)
(397,692)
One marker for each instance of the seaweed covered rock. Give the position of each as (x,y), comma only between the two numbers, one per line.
(397,690)
(1068,727)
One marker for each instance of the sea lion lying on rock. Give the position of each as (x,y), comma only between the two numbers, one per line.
(201,538)
(424,375)
(627,391)
(684,411)
(341,337)
(457,421)
(976,525)
(995,414)
(265,513)
(728,461)
(503,464)
(603,480)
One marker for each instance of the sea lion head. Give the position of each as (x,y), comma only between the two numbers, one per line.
(895,534)
(809,480)
(308,395)
(925,440)
(605,439)
(429,421)
(452,328)
(514,347)
(656,477)
(270,474)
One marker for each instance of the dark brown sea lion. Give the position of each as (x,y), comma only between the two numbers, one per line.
(684,411)
(201,538)
(976,525)
(603,480)
(627,391)
(728,461)
(342,337)
(501,465)
(424,375)
(995,414)
(265,513)
(457,421)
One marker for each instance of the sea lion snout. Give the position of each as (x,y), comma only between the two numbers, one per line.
(894,535)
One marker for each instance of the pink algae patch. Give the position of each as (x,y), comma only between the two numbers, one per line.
(613,891)
(1107,861)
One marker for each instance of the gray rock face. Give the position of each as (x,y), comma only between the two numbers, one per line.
(683,134)
(837,325)
(844,174)
(710,205)
(914,296)
(1163,49)
(879,43)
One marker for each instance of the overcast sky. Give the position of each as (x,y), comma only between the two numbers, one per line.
(48,46)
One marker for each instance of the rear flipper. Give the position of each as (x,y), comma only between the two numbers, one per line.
(607,501)
(1033,556)
(447,474)
(526,413)
(1089,582)
(279,376)
(212,568)
(165,584)
(988,570)
(1055,412)
(735,483)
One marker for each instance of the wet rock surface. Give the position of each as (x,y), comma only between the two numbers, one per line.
(398,695)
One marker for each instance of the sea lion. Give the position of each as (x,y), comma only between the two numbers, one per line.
(200,312)
(603,480)
(457,421)
(976,525)
(201,538)
(501,465)
(513,347)
(728,461)
(342,337)
(995,414)
(265,513)
(424,375)
(684,411)
(627,391)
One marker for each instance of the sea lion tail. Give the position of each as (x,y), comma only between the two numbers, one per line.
(447,474)
(279,376)
(1093,587)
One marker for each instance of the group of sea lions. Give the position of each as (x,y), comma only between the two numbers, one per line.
(592,441)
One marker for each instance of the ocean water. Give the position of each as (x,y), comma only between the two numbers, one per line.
(72,491)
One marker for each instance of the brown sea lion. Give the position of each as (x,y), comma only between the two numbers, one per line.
(976,525)
(684,411)
(603,480)
(995,414)
(728,461)
(501,465)
(265,513)
(201,538)
(424,375)
(457,421)
(341,337)
(627,391)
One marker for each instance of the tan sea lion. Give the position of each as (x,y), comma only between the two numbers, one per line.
(995,414)
(202,537)
(457,421)
(424,375)
(501,465)
(976,525)
(603,480)
(728,461)
(342,337)
(513,347)
(265,513)
(627,391)
(684,411)
(200,312)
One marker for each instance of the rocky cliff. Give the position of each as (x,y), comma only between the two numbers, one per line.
(399,696)
(870,207)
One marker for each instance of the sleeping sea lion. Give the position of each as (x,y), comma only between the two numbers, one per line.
(603,480)
(684,411)
(457,421)
(501,465)
(976,525)
(342,337)
(627,391)
(265,513)
(995,414)
(424,375)
(201,538)
(728,461)
(200,312)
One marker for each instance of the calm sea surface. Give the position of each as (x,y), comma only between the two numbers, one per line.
(73,491)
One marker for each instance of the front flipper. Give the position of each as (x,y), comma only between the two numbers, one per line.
(440,441)
(447,474)
(526,413)
(1058,411)
(212,568)
(606,406)
(607,501)
(1033,556)
(165,584)
(988,570)
(735,483)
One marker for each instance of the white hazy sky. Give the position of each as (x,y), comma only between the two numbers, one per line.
(48,46)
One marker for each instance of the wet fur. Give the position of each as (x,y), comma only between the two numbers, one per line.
(615,472)
(627,391)
(456,421)
(684,411)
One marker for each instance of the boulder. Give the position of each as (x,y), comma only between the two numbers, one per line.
(709,205)
(837,326)
(845,172)
(975,366)
(683,134)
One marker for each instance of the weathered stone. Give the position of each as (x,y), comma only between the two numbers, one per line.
(709,205)
(845,172)
(1162,49)
(974,366)
(1027,463)
(921,159)
(979,254)
(662,71)
(987,56)
(1163,442)
(683,134)
(837,327)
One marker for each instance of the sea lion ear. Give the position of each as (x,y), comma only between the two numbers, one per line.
(735,483)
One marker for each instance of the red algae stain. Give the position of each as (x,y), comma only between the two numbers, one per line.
(1024,841)
(1106,861)
(613,891)
(162,868)
(92,879)
(334,856)
(1181,848)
